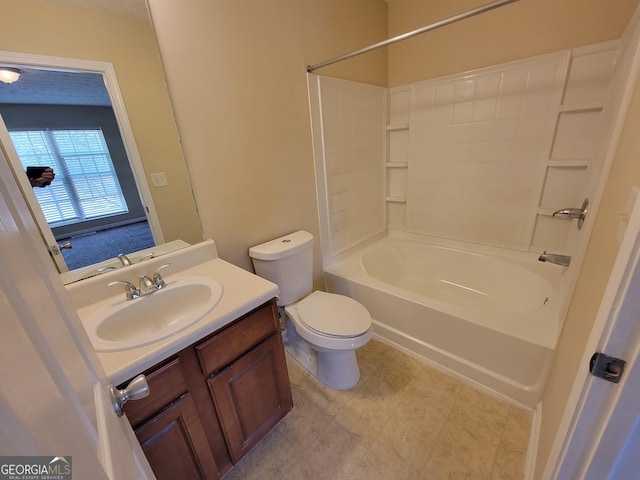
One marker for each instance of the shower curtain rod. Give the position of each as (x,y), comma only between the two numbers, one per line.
(404,36)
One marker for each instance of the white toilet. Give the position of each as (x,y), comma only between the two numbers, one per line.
(323,329)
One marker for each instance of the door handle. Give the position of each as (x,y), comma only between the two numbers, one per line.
(571,213)
(56,248)
(138,388)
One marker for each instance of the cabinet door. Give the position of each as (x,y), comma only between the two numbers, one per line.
(252,395)
(166,383)
(175,444)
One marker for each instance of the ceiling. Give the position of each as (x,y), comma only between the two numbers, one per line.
(47,87)
(37,86)
(133,9)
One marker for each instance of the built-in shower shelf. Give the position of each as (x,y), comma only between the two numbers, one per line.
(397,126)
(396,199)
(582,107)
(397,164)
(580,163)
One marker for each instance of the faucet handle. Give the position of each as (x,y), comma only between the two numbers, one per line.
(157,278)
(106,269)
(130,289)
(571,213)
(147,257)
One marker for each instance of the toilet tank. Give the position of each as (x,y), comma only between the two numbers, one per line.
(288,262)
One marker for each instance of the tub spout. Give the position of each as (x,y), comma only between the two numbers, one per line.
(556,259)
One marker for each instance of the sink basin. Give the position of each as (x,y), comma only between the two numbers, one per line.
(121,324)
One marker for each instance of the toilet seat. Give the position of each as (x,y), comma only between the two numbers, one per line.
(333,315)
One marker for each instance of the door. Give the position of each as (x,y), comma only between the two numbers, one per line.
(45,232)
(54,398)
(604,438)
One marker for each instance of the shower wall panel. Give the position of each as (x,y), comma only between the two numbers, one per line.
(478,147)
(353,135)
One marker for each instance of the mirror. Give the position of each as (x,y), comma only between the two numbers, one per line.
(138,96)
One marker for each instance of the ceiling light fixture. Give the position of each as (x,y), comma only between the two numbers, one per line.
(9,74)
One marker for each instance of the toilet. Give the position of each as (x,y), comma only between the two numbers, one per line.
(323,330)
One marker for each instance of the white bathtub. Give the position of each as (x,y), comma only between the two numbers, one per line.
(488,315)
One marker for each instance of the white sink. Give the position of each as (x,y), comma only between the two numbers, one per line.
(120,324)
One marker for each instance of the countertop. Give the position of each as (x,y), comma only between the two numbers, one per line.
(242,292)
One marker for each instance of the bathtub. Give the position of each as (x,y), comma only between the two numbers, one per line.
(487,315)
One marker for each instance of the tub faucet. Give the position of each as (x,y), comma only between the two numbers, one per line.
(556,259)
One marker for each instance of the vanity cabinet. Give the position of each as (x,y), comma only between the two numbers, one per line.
(251,397)
(175,443)
(213,401)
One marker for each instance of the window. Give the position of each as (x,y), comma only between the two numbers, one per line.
(86,186)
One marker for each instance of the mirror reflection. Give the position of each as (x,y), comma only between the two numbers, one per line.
(64,121)
(83,36)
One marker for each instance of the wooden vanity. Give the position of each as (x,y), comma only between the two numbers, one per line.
(214,400)
(216,387)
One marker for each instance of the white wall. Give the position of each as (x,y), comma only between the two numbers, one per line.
(349,149)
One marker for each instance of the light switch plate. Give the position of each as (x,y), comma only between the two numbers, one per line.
(159,179)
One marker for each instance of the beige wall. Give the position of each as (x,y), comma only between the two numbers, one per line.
(42,28)
(597,266)
(517,30)
(237,78)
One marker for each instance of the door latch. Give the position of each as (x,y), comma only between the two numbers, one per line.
(606,367)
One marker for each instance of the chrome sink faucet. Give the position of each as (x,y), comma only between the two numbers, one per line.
(124,260)
(556,259)
(147,284)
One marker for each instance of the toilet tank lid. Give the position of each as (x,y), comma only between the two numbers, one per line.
(282,247)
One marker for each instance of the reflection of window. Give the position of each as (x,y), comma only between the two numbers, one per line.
(86,186)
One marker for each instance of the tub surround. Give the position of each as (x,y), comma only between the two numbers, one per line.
(483,157)
(242,292)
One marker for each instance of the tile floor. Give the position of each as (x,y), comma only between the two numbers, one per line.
(403,420)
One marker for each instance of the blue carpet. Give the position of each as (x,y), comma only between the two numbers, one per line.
(105,244)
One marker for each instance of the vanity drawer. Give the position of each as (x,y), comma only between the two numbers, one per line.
(166,383)
(225,346)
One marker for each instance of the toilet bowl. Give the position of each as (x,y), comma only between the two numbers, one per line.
(323,330)
(334,326)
